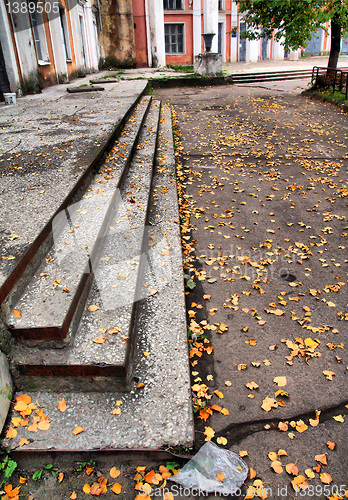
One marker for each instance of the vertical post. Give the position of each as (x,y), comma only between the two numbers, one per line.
(197,28)
(211,21)
(156,20)
(334,83)
(341,81)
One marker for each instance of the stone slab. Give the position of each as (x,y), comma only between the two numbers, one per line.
(88,88)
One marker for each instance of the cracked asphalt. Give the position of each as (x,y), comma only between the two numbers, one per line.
(263,174)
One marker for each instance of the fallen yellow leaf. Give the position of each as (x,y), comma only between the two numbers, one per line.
(78,430)
(117,487)
(277,466)
(325,478)
(62,405)
(280,381)
(86,489)
(114,473)
(209,433)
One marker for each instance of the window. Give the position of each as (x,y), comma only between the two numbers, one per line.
(65,33)
(221,5)
(174,38)
(172,4)
(39,36)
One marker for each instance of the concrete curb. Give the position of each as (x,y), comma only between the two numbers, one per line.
(6,389)
(319,97)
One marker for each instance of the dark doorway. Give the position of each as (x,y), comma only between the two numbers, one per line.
(4,83)
(242,42)
(264,48)
(220,38)
(314,45)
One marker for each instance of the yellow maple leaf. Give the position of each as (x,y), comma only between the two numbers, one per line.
(86,489)
(209,433)
(62,405)
(329,374)
(93,308)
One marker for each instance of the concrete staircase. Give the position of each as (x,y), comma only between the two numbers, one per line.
(97,315)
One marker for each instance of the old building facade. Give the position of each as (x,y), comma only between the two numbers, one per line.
(45,42)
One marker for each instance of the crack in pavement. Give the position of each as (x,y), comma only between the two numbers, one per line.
(235,433)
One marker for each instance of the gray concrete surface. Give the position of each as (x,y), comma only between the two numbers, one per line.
(46,143)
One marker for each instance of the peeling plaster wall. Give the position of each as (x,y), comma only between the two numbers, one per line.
(119,39)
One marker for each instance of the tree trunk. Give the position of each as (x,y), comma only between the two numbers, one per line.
(335,43)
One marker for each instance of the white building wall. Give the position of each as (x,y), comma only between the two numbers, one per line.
(25,46)
(156,21)
(278,50)
(92,48)
(58,47)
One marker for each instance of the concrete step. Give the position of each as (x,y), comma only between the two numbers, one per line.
(230,79)
(53,297)
(98,356)
(270,76)
(156,412)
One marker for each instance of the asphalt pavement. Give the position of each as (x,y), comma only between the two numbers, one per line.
(264,172)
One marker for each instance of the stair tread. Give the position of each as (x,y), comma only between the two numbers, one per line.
(159,413)
(51,290)
(118,265)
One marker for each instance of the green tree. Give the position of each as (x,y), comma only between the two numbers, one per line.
(295,20)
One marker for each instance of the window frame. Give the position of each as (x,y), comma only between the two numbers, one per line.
(39,37)
(183,35)
(65,33)
(182,3)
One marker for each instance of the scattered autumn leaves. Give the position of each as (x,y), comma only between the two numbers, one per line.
(254,265)
(99,484)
